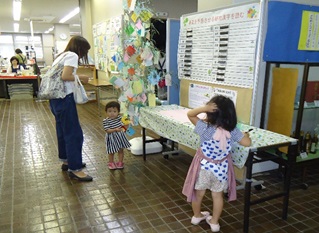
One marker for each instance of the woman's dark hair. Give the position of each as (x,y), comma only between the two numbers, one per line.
(80,46)
(18,51)
(113,104)
(225,116)
(14,58)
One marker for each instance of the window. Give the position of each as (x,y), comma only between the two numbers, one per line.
(6,48)
(25,43)
(10,42)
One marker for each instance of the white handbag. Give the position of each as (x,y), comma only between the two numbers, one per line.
(79,92)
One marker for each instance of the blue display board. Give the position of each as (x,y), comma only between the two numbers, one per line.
(173,36)
(283,31)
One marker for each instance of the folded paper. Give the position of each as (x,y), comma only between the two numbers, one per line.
(151,100)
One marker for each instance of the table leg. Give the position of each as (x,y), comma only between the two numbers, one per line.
(98,100)
(144,143)
(249,168)
(5,89)
(292,156)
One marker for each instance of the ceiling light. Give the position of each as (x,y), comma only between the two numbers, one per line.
(16,27)
(70,15)
(49,30)
(17,9)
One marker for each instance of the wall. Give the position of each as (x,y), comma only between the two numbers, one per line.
(48,44)
(204,5)
(175,11)
(104,9)
(86,22)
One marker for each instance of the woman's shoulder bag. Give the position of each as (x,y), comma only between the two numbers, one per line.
(52,85)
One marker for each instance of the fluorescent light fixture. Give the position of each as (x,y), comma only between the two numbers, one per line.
(70,15)
(17,9)
(16,27)
(49,30)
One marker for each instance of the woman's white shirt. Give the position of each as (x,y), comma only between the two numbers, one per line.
(68,59)
(9,69)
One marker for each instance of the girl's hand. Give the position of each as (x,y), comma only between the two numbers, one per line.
(119,129)
(211,107)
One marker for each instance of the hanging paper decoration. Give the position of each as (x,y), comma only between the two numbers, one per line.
(136,61)
(130,50)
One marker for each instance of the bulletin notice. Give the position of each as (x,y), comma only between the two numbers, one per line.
(219,47)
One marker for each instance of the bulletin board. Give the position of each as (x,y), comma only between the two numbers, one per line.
(107,41)
(292,33)
(219,48)
(243,107)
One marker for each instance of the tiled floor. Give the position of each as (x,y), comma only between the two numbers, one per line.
(36,196)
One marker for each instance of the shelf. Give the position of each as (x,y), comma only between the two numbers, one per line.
(309,106)
(309,157)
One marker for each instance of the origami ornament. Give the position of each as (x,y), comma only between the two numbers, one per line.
(130,50)
(139,25)
(125,120)
(120,66)
(114,58)
(139,59)
(153,77)
(129,30)
(168,80)
(137,87)
(132,5)
(130,99)
(135,120)
(130,131)
(126,57)
(146,15)
(151,100)
(161,83)
(129,2)
(131,71)
(134,17)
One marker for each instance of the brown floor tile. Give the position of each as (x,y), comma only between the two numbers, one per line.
(36,196)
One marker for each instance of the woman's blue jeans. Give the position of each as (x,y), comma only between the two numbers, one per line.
(68,130)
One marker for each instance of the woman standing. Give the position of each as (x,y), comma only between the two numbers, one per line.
(68,128)
(21,57)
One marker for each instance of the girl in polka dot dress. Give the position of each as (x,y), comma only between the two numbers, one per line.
(212,161)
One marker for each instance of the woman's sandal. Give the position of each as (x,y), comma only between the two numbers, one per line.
(87,178)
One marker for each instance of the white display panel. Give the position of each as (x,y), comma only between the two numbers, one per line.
(219,47)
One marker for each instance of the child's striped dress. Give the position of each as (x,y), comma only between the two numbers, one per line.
(116,140)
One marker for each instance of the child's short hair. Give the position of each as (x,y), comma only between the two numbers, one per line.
(113,104)
(225,116)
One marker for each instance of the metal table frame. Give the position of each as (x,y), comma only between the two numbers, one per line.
(256,153)
(266,156)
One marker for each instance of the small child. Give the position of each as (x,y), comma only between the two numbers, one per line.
(115,137)
(211,167)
